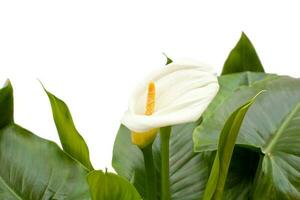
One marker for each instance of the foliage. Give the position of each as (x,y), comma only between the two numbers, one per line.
(236,150)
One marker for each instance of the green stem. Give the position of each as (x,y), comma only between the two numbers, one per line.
(151,189)
(165,133)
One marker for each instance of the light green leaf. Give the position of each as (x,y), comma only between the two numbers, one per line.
(271,128)
(216,183)
(242,58)
(72,142)
(104,186)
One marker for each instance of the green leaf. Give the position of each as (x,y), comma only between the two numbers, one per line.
(229,85)
(189,171)
(271,128)
(34,168)
(6,105)
(234,82)
(242,58)
(110,186)
(72,142)
(226,143)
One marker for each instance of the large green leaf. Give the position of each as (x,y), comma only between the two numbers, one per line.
(216,182)
(72,142)
(271,127)
(189,171)
(104,186)
(242,58)
(32,168)
(233,82)
(229,85)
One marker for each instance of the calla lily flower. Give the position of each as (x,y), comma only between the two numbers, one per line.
(177,93)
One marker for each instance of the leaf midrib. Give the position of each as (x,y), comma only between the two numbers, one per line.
(10,189)
(281,129)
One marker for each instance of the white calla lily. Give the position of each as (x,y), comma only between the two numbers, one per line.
(182,93)
(175,94)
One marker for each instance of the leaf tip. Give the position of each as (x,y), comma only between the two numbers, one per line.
(169,60)
(7,83)
(259,93)
(42,85)
(244,34)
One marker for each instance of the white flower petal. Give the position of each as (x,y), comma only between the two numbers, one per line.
(183,92)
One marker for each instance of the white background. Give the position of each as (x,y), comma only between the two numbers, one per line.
(91,54)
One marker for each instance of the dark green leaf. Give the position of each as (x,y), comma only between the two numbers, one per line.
(104,186)
(6,105)
(72,142)
(242,58)
(216,183)
(34,168)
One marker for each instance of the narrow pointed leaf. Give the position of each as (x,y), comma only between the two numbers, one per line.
(242,58)
(104,186)
(72,142)
(218,175)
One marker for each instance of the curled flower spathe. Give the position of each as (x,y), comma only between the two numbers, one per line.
(182,93)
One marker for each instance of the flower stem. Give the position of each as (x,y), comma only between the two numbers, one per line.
(165,133)
(151,184)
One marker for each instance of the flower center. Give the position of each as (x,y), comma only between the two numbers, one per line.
(145,138)
(150,104)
